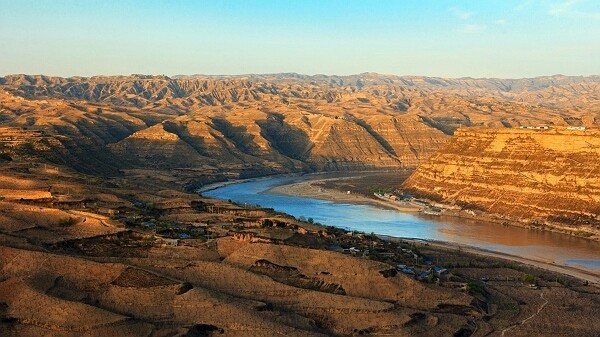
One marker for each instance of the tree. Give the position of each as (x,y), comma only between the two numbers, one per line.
(528,279)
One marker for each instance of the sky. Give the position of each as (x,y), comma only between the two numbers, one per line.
(484,38)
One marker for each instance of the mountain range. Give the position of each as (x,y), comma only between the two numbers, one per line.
(260,124)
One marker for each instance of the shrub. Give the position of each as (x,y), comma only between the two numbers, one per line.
(67,221)
(528,278)
(475,288)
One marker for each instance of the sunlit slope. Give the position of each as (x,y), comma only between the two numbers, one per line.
(549,175)
(260,124)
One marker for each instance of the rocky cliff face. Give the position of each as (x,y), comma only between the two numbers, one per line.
(551,175)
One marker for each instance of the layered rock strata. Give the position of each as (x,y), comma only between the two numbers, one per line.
(537,175)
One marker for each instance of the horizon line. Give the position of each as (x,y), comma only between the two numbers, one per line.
(175,76)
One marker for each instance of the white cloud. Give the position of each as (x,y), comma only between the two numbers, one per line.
(569,9)
(461,13)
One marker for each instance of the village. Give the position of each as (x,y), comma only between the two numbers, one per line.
(168,239)
(414,258)
(548,127)
(424,206)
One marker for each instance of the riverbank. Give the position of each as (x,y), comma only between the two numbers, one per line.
(581,274)
(311,189)
(219,184)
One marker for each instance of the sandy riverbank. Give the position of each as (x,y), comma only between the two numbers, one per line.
(219,184)
(311,189)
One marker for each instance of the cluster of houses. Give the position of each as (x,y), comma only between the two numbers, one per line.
(538,127)
(167,230)
(394,197)
(174,233)
(424,274)
(403,197)
(426,206)
(183,231)
(433,270)
(547,127)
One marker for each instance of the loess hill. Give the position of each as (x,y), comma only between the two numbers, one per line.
(261,124)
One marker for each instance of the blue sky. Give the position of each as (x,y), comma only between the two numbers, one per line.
(507,39)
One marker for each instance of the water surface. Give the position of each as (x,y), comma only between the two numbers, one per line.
(540,245)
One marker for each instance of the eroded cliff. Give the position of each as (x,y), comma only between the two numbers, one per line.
(541,176)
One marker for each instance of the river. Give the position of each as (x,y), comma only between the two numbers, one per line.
(533,244)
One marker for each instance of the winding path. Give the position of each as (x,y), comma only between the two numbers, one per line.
(528,318)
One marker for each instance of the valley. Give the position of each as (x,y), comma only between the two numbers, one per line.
(135,255)
(102,231)
(265,124)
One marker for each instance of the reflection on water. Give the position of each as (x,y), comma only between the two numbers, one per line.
(547,246)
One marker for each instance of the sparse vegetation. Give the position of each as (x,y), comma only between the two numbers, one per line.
(67,221)
(476,288)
